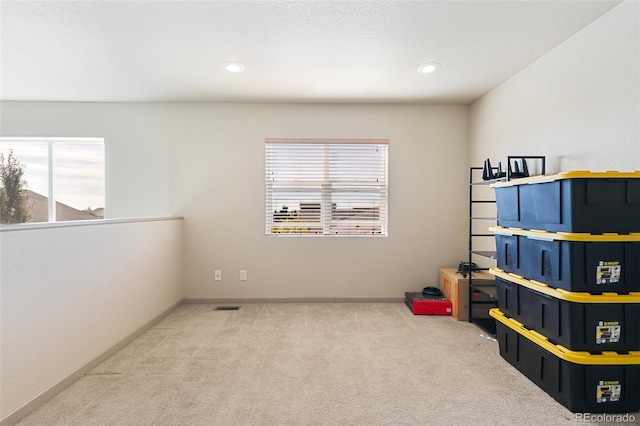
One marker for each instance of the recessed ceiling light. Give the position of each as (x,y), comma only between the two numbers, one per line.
(233,66)
(428,68)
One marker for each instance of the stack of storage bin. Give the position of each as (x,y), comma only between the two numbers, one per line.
(568,281)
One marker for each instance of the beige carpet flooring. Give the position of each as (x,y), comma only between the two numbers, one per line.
(305,364)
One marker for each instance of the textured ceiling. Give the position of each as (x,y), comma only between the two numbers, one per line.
(294,51)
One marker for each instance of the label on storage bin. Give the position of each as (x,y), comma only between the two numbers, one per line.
(608,272)
(608,332)
(608,391)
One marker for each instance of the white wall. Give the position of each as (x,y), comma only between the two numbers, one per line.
(206,162)
(579,104)
(68,294)
(138,178)
(219,185)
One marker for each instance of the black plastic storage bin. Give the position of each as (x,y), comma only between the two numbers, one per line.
(583,383)
(574,262)
(577,321)
(578,201)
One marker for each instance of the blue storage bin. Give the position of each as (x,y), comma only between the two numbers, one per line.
(578,201)
(576,262)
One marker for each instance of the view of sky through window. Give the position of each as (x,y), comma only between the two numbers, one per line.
(79,167)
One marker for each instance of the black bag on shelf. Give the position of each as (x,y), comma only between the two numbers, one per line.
(465,268)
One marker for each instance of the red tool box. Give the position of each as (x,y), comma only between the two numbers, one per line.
(421,304)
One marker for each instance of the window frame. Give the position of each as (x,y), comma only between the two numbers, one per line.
(51,168)
(327,187)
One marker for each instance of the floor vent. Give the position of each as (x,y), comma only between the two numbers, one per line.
(226,308)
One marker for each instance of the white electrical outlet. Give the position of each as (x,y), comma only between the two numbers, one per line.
(217,275)
(243,274)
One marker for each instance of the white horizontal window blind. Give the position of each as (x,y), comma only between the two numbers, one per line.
(326,187)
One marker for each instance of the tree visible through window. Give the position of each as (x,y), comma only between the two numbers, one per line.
(60,179)
(326,187)
(13,198)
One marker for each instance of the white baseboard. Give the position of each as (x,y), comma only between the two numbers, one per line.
(293,300)
(21,412)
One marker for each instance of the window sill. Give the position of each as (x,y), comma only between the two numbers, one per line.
(76,223)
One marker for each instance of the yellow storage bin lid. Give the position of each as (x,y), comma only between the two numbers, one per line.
(567,236)
(569,296)
(576,357)
(576,174)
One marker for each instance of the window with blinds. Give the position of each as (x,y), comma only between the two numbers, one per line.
(326,187)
